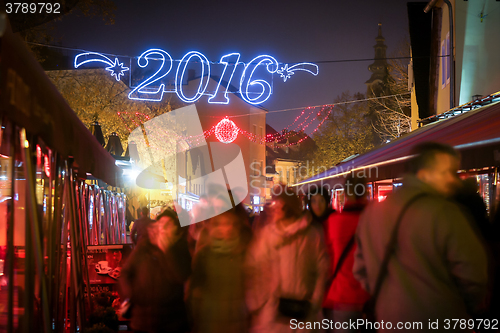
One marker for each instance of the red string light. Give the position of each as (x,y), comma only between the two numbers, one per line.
(226,130)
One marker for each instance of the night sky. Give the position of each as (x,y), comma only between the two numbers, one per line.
(290,31)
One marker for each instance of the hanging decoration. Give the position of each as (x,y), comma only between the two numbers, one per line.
(115,67)
(226,131)
(254,88)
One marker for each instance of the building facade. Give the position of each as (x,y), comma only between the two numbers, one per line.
(456,53)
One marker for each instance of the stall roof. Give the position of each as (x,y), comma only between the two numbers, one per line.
(475,133)
(30,100)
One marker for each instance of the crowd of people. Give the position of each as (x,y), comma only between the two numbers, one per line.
(426,253)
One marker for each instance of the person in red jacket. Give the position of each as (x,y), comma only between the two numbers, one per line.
(345,297)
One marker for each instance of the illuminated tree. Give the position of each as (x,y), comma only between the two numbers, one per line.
(346,132)
(95,96)
(393,115)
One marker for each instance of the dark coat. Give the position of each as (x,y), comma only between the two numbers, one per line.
(439,269)
(154,282)
(140,229)
(217,292)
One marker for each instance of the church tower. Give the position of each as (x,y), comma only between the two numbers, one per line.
(377,84)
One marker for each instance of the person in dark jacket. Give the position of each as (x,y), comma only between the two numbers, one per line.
(438,270)
(471,200)
(154,276)
(216,289)
(140,226)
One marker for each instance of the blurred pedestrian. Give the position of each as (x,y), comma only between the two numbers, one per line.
(262,219)
(468,196)
(140,226)
(287,268)
(216,289)
(154,276)
(345,296)
(494,241)
(438,269)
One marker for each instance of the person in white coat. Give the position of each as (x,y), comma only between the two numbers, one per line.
(286,269)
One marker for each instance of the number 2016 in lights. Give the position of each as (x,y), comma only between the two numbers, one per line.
(145,92)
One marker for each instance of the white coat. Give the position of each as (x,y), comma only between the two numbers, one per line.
(290,262)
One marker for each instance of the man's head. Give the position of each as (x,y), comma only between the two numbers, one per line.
(436,164)
(145,211)
(166,230)
(355,187)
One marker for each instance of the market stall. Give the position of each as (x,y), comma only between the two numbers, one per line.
(49,213)
(471,128)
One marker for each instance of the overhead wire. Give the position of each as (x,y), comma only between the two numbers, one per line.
(326,105)
(215,62)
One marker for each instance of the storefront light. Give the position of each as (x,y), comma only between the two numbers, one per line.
(131,173)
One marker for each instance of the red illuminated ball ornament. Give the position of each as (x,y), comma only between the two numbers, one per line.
(226,131)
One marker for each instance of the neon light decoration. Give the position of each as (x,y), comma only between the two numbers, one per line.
(224,60)
(115,67)
(286,72)
(143,61)
(253,90)
(247,81)
(205,66)
(226,131)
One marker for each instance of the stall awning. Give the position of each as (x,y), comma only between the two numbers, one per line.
(30,100)
(476,134)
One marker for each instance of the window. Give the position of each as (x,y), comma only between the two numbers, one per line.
(255,129)
(448,59)
(262,133)
(443,65)
(445,61)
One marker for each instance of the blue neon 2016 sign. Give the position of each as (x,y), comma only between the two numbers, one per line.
(145,91)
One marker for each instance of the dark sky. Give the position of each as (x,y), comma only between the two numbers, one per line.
(291,31)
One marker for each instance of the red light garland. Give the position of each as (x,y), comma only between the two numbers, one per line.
(227,131)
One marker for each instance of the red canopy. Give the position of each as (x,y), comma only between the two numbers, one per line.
(30,100)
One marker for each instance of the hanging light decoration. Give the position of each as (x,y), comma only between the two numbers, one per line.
(226,131)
